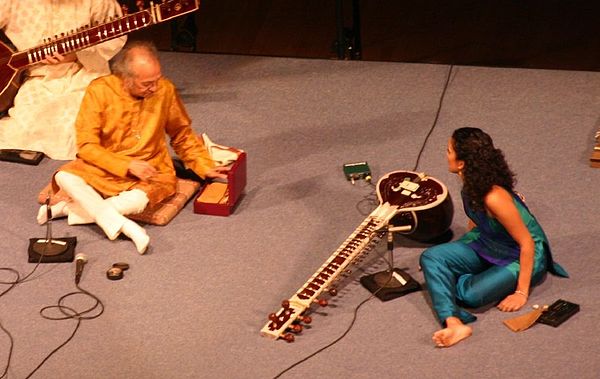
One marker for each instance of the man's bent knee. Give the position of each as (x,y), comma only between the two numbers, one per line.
(62,177)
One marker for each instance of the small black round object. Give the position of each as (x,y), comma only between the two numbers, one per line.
(114,273)
(122,265)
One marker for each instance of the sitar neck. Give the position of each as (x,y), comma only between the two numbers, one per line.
(356,246)
(88,36)
(83,38)
(359,243)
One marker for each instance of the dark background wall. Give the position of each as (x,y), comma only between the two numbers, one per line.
(562,34)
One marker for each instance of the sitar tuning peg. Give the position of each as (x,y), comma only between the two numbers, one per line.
(305,319)
(296,328)
(322,302)
(288,337)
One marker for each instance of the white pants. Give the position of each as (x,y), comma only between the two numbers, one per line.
(88,206)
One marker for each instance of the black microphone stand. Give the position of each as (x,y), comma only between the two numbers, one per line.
(49,249)
(393,282)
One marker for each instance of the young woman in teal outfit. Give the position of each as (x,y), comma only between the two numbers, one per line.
(500,258)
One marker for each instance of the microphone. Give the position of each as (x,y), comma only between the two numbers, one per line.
(49,246)
(80,261)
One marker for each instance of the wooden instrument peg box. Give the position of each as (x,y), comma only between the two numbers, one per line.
(220,198)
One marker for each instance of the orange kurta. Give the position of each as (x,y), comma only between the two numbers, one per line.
(113,128)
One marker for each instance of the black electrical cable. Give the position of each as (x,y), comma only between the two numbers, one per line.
(371,200)
(368,198)
(334,341)
(437,116)
(12,284)
(68,313)
(10,349)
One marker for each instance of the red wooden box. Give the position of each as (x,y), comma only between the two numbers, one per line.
(218,198)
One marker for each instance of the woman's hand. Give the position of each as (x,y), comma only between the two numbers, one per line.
(513,302)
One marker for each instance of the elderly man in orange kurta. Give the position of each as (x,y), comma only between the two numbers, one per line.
(123,162)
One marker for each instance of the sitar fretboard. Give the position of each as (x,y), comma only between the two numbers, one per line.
(88,36)
(361,241)
(358,244)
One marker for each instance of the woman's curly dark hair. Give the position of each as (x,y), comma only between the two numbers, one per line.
(484,164)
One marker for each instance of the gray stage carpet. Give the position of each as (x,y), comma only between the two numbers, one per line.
(194,305)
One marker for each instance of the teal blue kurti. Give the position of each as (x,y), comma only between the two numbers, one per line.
(482,267)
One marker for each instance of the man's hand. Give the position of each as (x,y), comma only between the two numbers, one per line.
(141,169)
(218,172)
(57,58)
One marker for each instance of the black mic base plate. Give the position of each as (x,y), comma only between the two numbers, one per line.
(388,285)
(56,250)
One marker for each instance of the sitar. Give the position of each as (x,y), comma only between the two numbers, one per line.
(418,202)
(13,63)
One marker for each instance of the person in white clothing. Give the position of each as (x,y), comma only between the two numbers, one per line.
(46,105)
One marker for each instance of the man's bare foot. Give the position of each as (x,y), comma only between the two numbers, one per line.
(454,332)
(59,209)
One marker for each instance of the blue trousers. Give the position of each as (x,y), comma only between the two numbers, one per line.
(456,275)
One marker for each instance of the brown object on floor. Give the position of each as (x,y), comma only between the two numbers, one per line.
(595,157)
(523,322)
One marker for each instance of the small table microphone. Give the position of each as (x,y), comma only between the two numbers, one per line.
(48,246)
(80,261)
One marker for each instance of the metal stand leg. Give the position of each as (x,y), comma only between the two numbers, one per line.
(184,33)
(347,43)
(393,282)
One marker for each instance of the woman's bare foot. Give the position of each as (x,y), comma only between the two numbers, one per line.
(454,332)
